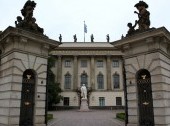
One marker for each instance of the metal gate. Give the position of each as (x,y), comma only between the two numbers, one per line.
(27,98)
(145,101)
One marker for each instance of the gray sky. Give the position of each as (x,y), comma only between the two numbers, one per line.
(102,17)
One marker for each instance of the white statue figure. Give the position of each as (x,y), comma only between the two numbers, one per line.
(83,92)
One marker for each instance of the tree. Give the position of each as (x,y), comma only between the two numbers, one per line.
(53,88)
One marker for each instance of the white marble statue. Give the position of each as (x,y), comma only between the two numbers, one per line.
(83,92)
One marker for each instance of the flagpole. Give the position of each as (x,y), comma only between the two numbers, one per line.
(84,32)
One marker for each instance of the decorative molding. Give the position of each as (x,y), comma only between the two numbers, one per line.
(68,73)
(100,73)
(46,46)
(132,66)
(8,40)
(149,40)
(23,39)
(86,52)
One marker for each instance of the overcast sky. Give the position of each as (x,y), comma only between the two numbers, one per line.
(102,17)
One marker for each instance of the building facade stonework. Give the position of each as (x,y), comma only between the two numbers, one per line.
(97,65)
(133,72)
(147,57)
(23,73)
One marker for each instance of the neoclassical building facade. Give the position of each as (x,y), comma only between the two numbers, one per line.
(133,72)
(98,65)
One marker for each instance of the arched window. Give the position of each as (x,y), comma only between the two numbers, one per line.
(67,84)
(100,81)
(116,81)
(84,79)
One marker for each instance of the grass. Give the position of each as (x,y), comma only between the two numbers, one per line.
(120,116)
(49,117)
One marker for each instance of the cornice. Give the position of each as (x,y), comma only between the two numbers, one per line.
(11,31)
(87,52)
(159,32)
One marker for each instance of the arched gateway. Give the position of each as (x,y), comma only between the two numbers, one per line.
(27,98)
(22,89)
(145,101)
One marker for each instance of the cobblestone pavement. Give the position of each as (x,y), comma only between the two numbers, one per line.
(92,118)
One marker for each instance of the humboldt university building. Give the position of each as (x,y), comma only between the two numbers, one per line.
(132,73)
(98,65)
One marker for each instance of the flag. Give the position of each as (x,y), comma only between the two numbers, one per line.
(85,28)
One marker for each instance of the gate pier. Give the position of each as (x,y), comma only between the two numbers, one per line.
(23,71)
(147,58)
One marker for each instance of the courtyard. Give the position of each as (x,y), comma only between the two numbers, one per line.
(91,118)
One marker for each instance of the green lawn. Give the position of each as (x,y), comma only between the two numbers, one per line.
(120,116)
(49,117)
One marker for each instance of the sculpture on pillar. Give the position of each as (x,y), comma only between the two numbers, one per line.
(131,30)
(143,19)
(60,38)
(29,22)
(107,37)
(75,38)
(83,92)
(143,15)
(92,38)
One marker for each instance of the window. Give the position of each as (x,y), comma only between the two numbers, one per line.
(84,79)
(100,81)
(67,84)
(67,63)
(116,81)
(115,63)
(83,63)
(66,101)
(118,101)
(101,101)
(100,63)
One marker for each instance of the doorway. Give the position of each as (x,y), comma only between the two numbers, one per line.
(145,101)
(27,98)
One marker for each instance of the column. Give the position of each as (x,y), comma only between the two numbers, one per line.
(92,73)
(108,73)
(75,73)
(59,69)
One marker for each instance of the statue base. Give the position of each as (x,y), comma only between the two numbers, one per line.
(84,105)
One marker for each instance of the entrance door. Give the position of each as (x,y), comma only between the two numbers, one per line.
(66,101)
(27,99)
(145,101)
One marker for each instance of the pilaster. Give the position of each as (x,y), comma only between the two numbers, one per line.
(75,75)
(92,68)
(108,72)
(59,72)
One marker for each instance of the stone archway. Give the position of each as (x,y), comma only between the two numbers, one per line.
(27,98)
(145,101)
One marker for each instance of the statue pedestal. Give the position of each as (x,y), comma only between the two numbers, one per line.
(84,105)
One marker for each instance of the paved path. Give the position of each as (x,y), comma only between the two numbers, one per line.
(92,118)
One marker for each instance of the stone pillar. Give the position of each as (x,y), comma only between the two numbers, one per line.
(148,51)
(108,64)
(92,73)
(59,72)
(22,51)
(75,75)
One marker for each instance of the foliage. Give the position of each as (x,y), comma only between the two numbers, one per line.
(49,117)
(120,116)
(54,89)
